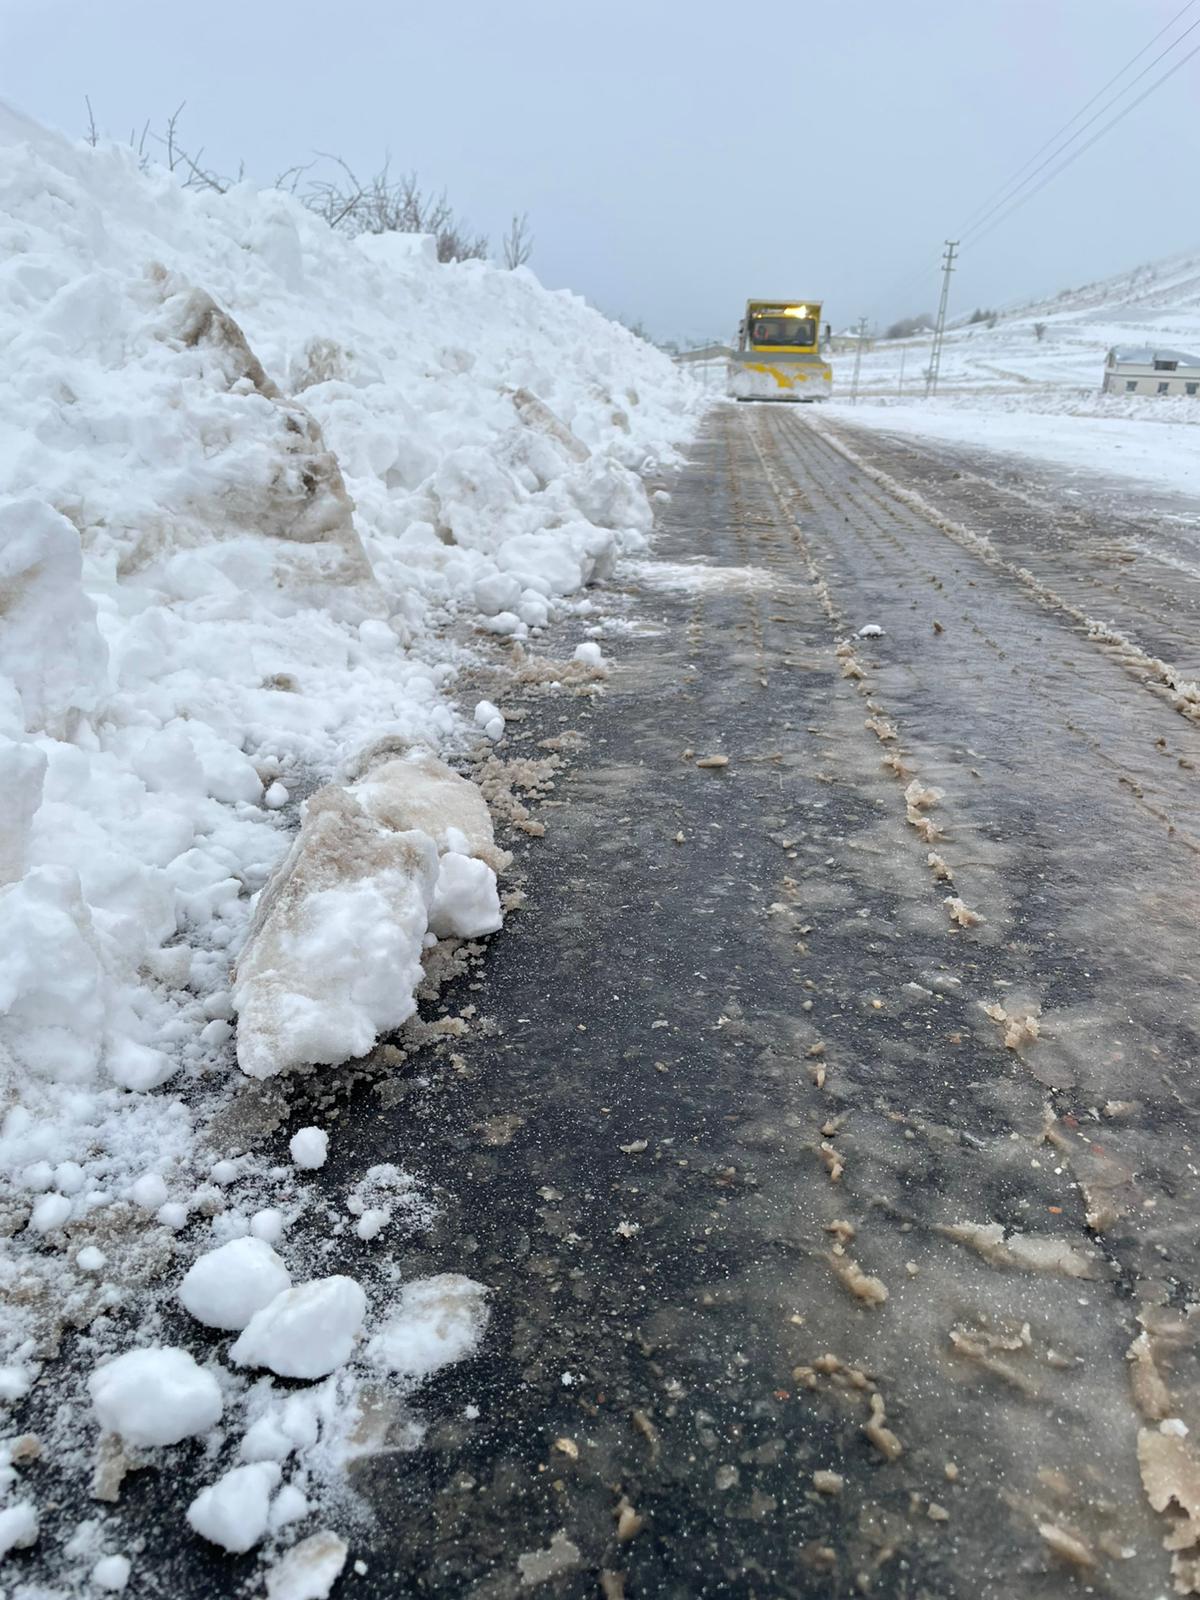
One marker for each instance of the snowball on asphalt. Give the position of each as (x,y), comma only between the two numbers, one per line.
(490,719)
(466,902)
(111,1573)
(306,1332)
(234,1511)
(870,630)
(589,653)
(155,1396)
(309,1148)
(18,1527)
(267,1224)
(225,1287)
(437,1321)
(309,1570)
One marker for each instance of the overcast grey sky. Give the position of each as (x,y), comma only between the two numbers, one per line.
(674,158)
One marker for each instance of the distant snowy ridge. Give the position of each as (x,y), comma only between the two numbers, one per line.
(251,471)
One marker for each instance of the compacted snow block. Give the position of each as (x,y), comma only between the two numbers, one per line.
(225,1287)
(306,1332)
(155,1396)
(334,952)
(50,644)
(233,1512)
(309,1570)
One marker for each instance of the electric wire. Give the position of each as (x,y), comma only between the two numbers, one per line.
(1018,202)
(1001,195)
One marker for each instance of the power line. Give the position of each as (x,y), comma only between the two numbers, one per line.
(1041,167)
(1010,197)
(1075,154)
(1103,89)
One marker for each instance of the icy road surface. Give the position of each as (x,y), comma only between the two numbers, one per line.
(822,1190)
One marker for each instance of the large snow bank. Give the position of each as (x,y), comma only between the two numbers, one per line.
(250,474)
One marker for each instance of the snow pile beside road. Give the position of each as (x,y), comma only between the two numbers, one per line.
(264,491)
(252,471)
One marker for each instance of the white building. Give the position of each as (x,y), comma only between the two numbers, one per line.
(1132,369)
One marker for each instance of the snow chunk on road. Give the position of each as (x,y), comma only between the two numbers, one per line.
(870,630)
(309,1148)
(225,1287)
(111,1573)
(334,953)
(233,1512)
(490,718)
(466,902)
(590,654)
(306,1332)
(19,1527)
(155,1396)
(309,1570)
(438,1320)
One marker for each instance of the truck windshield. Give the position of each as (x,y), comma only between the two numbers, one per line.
(783,330)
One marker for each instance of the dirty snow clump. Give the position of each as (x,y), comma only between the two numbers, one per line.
(438,1320)
(155,1396)
(305,1332)
(309,1570)
(225,1287)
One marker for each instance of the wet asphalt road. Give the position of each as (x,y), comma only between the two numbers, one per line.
(728,1079)
(676,1315)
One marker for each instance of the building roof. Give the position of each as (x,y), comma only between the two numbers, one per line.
(1144,356)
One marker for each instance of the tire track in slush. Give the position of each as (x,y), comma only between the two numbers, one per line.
(1066,760)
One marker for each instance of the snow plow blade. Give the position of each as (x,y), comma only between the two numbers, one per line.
(754,376)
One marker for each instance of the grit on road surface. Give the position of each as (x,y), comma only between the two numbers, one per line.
(735,1081)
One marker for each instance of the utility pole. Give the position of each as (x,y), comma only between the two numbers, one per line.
(858,350)
(935,355)
(903,353)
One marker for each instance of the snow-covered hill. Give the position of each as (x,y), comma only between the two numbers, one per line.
(1007,388)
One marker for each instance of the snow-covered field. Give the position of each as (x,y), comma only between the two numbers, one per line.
(1008,390)
(264,492)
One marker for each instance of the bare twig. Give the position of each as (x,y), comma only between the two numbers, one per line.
(518,242)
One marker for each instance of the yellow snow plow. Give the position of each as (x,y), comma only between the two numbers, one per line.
(778,355)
